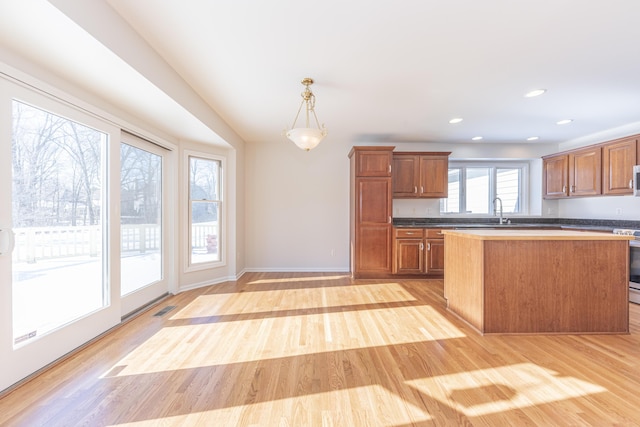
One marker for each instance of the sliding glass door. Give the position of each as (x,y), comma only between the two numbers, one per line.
(56,215)
(142,224)
(59,221)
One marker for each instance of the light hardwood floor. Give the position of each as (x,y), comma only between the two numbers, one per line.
(324,350)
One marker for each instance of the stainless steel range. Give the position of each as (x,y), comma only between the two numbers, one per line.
(634,263)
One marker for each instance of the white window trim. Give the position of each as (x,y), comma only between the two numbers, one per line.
(525,185)
(222,244)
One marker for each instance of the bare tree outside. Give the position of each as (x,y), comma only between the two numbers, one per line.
(57,193)
(140,217)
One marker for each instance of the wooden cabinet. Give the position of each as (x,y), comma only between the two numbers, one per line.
(434,262)
(420,175)
(370,211)
(555,176)
(576,173)
(408,251)
(370,161)
(418,251)
(600,169)
(618,159)
(585,172)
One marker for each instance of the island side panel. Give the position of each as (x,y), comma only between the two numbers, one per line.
(463,287)
(558,286)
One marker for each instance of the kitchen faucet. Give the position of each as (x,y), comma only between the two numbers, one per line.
(495,210)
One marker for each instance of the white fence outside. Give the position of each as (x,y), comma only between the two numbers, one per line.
(40,243)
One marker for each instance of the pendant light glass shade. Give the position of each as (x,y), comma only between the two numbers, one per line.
(307,137)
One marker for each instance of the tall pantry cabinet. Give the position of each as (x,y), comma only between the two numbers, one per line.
(370,216)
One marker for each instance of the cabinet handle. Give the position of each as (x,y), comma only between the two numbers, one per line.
(389,168)
(415,188)
(564,188)
(421,189)
(389,220)
(631,183)
(421,246)
(428,246)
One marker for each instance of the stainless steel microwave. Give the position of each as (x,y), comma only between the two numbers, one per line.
(636,180)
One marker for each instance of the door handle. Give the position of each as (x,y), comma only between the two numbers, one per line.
(7,241)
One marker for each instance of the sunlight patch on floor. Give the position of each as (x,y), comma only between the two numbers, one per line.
(215,344)
(493,390)
(333,408)
(274,300)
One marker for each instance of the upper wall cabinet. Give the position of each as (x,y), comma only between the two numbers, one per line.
(601,169)
(555,176)
(585,172)
(420,175)
(373,161)
(618,159)
(576,173)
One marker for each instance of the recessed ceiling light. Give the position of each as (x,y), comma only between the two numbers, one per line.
(476,138)
(533,93)
(455,120)
(564,121)
(533,138)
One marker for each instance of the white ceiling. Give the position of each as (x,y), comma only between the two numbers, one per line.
(385,71)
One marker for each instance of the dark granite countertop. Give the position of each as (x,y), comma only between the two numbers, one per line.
(570,223)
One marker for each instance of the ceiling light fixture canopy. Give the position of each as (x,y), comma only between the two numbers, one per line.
(307,137)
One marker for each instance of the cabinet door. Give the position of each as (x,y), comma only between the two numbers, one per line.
(434,256)
(374,163)
(373,228)
(405,176)
(434,172)
(618,160)
(374,200)
(373,252)
(409,256)
(555,177)
(585,172)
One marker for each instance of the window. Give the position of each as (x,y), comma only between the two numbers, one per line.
(205,207)
(474,186)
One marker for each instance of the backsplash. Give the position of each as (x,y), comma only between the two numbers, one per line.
(578,222)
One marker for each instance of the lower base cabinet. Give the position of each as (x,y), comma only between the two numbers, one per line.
(418,251)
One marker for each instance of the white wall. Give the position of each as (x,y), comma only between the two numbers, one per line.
(297,206)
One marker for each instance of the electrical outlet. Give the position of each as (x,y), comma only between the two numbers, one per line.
(618,211)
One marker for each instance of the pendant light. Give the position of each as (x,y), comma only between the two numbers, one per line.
(307,137)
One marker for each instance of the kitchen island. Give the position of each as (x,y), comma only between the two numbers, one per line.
(538,281)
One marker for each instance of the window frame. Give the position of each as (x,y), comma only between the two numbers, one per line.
(199,266)
(493,166)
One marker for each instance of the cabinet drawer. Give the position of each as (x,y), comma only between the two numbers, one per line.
(415,233)
(434,233)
